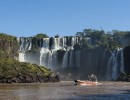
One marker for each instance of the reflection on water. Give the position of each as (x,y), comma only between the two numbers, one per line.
(64,90)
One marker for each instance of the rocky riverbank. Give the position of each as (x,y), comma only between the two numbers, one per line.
(124,77)
(12,71)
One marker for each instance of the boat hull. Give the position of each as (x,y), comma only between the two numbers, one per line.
(85,83)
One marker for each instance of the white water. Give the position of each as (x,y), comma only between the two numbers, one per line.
(48,55)
(43,56)
(114,65)
(21,57)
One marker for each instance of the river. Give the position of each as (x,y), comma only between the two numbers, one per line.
(65,90)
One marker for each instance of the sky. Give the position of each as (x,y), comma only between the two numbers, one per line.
(63,17)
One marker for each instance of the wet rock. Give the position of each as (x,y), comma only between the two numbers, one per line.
(124,77)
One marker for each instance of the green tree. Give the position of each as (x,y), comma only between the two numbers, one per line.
(41,35)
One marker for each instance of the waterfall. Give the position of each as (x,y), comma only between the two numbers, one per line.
(71,59)
(25,44)
(64,43)
(30,45)
(56,44)
(65,60)
(21,57)
(108,74)
(115,65)
(43,56)
(52,59)
(56,53)
(77,58)
(122,61)
(47,49)
(112,67)
(45,43)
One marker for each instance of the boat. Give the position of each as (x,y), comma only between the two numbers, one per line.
(92,81)
(86,83)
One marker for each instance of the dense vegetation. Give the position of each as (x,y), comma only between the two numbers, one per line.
(108,40)
(12,70)
(8,46)
(91,38)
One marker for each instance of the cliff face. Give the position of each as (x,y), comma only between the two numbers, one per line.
(127,59)
(66,55)
(8,46)
(62,55)
(124,40)
(95,61)
(13,71)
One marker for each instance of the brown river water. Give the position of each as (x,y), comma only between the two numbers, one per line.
(65,90)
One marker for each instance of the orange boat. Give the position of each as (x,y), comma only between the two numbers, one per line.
(87,83)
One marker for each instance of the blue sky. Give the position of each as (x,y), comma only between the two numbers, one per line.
(63,17)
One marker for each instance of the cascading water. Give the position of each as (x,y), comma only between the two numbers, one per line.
(45,52)
(43,56)
(25,45)
(115,65)
(65,60)
(48,48)
(71,59)
(122,61)
(21,57)
(77,58)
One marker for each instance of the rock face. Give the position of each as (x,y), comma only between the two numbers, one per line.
(48,52)
(61,54)
(124,77)
(126,53)
(124,40)
(8,46)
(66,56)
(13,71)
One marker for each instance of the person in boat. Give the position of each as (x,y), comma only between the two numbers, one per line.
(93,78)
(92,81)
